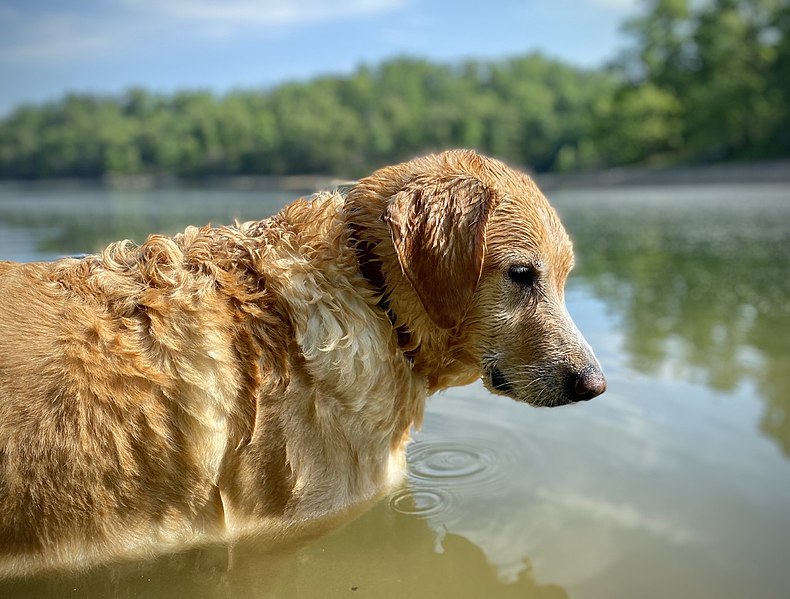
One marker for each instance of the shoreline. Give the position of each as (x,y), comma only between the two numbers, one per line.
(772,171)
(769,171)
(307,183)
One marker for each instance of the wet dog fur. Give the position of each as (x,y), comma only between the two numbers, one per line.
(239,379)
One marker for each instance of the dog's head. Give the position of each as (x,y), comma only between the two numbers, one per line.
(487,257)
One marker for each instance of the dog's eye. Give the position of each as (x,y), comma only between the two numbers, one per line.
(522,275)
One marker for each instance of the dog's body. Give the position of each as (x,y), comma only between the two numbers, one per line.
(231,380)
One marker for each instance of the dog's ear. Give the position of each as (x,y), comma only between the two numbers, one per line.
(438,228)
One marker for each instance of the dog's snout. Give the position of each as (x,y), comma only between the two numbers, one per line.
(587,383)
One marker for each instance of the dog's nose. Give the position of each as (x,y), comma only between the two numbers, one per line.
(587,383)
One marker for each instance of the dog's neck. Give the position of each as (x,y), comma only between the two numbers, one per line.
(425,345)
(370,268)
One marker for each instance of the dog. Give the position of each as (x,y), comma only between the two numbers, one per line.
(262,376)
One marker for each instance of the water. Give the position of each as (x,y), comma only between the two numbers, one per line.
(676,483)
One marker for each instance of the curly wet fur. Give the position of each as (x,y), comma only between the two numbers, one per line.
(239,379)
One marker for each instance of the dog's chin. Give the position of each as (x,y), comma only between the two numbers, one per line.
(495,381)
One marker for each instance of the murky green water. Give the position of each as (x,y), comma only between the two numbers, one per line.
(676,483)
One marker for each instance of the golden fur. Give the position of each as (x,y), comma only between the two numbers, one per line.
(239,379)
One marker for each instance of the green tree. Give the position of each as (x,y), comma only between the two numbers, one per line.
(701,81)
(722,62)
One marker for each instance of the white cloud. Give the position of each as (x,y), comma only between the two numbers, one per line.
(52,38)
(244,13)
(62,35)
(618,515)
(619,5)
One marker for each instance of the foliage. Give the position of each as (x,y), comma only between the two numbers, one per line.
(725,63)
(702,81)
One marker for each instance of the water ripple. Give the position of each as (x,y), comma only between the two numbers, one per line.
(421,503)
(453,464)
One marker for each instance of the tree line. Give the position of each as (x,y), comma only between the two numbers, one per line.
(700,82)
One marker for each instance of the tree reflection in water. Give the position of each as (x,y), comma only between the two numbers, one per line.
(699,278)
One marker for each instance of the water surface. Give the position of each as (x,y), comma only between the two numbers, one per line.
(675,483)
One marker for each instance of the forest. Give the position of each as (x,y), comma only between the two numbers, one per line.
(699,82)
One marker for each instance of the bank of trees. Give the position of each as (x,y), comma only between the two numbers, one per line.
(717,75)
(701,81)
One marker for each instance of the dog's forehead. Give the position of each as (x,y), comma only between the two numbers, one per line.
(525,226)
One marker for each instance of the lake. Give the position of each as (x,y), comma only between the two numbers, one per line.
(675,483)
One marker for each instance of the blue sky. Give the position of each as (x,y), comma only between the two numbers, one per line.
(50,47)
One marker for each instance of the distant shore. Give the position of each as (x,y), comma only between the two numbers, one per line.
(773,171)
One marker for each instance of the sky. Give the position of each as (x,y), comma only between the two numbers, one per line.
(50,47)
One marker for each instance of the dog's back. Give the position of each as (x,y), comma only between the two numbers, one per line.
(117,405)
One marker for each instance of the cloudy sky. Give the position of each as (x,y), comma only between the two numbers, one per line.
(48,47)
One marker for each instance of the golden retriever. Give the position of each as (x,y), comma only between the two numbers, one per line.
(239,379)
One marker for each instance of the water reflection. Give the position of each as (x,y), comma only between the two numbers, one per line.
(699,279)
(660,488)
(383,554)
(665,473)
(84,219)
(544,492)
